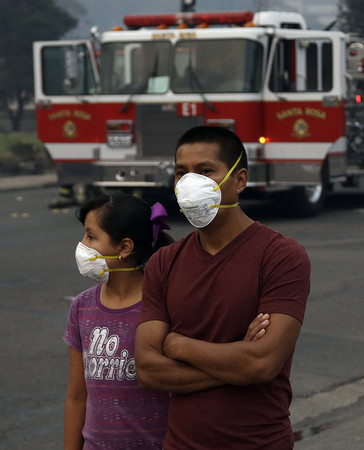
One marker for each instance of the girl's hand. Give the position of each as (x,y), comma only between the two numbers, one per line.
(257,328)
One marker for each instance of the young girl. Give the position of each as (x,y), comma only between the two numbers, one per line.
(105,408)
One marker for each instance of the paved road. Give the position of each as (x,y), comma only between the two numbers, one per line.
(328,370)
(38,279)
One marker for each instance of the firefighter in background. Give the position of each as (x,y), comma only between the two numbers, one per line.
(72,194)
(66,197)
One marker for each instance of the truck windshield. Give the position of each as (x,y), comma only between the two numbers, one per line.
(224,65)
(135,67)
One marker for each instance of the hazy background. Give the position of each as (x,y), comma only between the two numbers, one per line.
(108,13)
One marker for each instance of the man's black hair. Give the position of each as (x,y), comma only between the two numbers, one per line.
(229,143)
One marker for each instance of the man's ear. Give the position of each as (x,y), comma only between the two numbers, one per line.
(126,248)
(241,177)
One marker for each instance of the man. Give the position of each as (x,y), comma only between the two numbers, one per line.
(199,296)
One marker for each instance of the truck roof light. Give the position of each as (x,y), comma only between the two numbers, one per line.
(117,28)
(191,19)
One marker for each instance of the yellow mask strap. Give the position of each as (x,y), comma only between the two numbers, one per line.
(93,258)
(229,173)
(122,269)
(224,206)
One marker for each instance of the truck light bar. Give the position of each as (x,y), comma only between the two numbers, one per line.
(192,19)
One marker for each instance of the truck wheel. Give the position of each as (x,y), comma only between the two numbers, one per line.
(308,201)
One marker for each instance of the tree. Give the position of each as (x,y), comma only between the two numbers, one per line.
(351,16)
(21,23)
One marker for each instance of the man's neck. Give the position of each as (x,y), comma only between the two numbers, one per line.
(223,229)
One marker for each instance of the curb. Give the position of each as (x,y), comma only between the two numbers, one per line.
(28,181)
(343,396)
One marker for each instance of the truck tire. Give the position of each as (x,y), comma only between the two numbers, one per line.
(308,201)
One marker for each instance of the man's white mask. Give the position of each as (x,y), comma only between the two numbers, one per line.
(199,197)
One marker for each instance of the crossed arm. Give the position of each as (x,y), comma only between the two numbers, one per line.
(175,363)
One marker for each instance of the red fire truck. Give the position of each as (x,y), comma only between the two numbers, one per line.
(110,109)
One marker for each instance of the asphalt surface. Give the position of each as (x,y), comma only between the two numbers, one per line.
(325,416)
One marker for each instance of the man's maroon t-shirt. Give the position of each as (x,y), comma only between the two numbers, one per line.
(215,298)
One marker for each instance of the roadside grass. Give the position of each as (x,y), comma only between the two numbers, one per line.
(23,153)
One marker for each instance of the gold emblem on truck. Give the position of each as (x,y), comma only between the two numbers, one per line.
(301,128)
(70,129)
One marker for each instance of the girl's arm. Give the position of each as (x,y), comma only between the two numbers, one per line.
(75,407)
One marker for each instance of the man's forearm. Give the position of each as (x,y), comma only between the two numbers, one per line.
(222,361)
(174,376)
(239,362)
(158,372)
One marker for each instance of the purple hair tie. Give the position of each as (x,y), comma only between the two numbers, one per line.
(158,215)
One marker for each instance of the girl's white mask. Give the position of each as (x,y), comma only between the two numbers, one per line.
(92,264)
(199,197)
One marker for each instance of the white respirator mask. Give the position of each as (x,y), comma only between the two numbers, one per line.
(92,264)
(199,197)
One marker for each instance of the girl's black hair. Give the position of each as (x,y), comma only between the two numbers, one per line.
(125,216)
